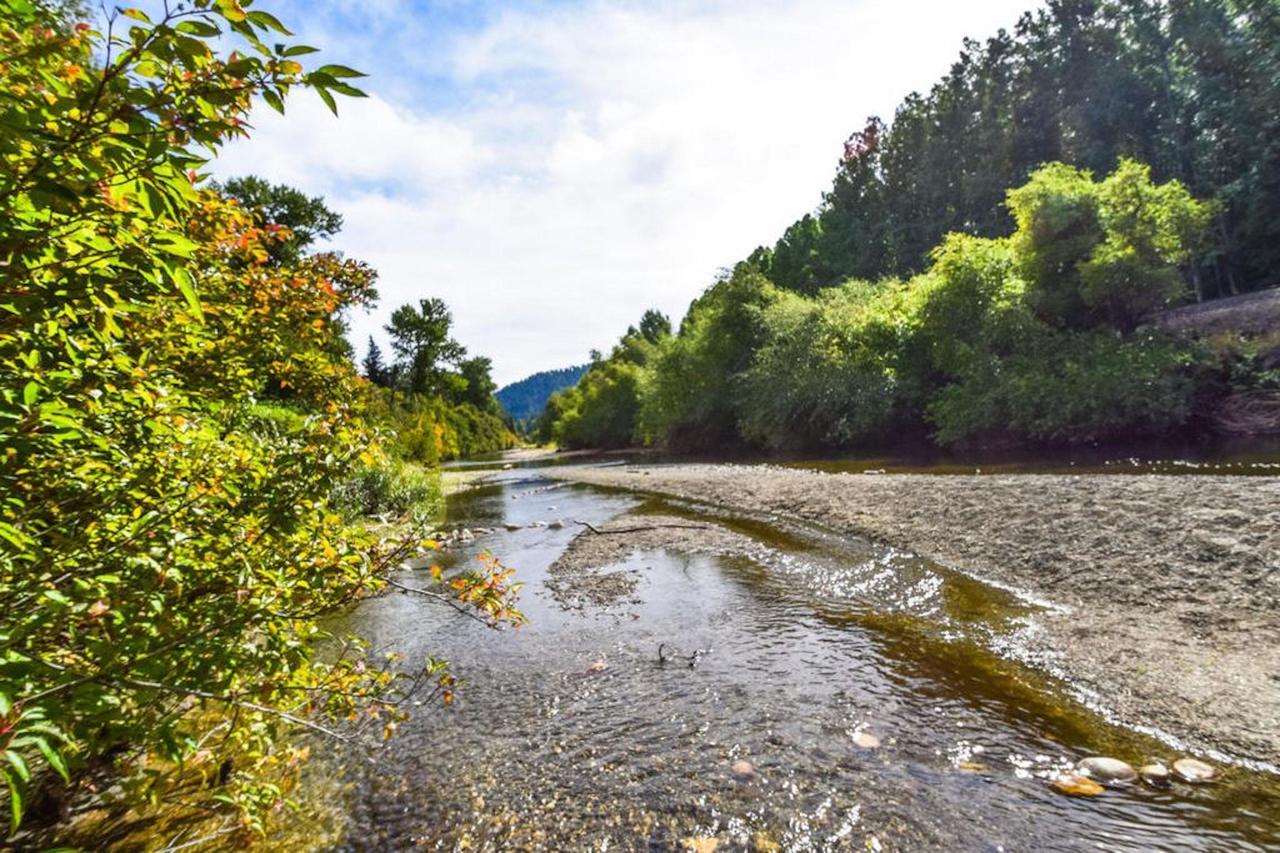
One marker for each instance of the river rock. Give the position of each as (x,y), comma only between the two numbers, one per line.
(1109,771)
(866,740)
(743,769)
(556,525)
(1075,785)
(1192,770)
(511,525)
(1154,774)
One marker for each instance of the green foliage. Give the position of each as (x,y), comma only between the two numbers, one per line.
(430,430)
(1068,387)
(829,373)
(1105,252)
(477,373)
(421,342)
(602,410)
(307,217)
(1028,337)
(167,544)
(390,487)
(689,398)
(1187,86)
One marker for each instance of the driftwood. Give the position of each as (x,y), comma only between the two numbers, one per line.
(1254,413)
(617,530)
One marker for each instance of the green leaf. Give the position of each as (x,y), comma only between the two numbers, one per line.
(55,759)
(204,29)
(19,765)
(266,19)
(296,50)
(136,14)
(349,91)
(328,100)
(30,392)
(17,805)
(187,285)
(340,71)
(273,100)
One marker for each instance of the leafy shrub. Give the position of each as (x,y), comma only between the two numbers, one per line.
(1069,387)
(829,372)
(1105,252)
(390,487)
(688,397)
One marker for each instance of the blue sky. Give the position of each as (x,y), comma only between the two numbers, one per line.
(552,169)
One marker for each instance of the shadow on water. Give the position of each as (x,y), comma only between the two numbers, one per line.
(815,645)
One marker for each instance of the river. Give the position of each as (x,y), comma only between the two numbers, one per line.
(881,701)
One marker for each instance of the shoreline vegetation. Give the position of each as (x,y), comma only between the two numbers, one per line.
(1168,602)
(190,457)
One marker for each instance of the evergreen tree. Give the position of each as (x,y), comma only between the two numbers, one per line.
(375,370)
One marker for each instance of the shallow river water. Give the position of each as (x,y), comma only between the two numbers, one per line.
(812,643)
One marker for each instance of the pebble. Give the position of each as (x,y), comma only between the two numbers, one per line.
(866,740)
(556,525)
(1192,770)
(1155,774)
(743,769)
(1109,771)
(1075,785)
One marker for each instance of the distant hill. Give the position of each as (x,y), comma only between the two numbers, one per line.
(525,399)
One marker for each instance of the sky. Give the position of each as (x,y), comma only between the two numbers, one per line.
(553,169)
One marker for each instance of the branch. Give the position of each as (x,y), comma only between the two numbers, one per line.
(441,597)
(617,530)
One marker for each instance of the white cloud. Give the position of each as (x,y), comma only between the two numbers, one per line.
(602,158)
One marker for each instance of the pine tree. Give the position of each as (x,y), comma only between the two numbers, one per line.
(374,368)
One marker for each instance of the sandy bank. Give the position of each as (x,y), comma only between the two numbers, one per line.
(1172,583)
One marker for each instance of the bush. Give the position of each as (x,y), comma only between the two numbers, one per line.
(688,398)
(390,487)
(1065,387)
(829,373)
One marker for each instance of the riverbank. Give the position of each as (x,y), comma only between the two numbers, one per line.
(1169,587)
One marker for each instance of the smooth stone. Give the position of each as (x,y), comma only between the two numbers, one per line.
(743,769)
(1192,770)
(511,526)
(1155,775)
(866,740)
(1107,770)
(1075,785)
(556,525)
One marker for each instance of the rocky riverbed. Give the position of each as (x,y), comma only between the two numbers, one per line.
(1167,587)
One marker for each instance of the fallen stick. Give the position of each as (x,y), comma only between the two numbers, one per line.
(618,530)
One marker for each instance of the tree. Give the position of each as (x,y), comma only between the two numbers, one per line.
(167,542)
(421,342)
(478,374)
(654,326)
(307,218)
(374,368)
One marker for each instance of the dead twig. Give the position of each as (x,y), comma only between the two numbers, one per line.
(617,530)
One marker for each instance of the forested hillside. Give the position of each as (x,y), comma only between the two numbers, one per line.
(527,398)
(1188,87)
(981,268)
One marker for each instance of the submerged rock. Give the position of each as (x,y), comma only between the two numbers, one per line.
(743,769)
(866,740)
(1193,770)
(1109,771)
(1155,774)
(556,525)
(1075,785)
